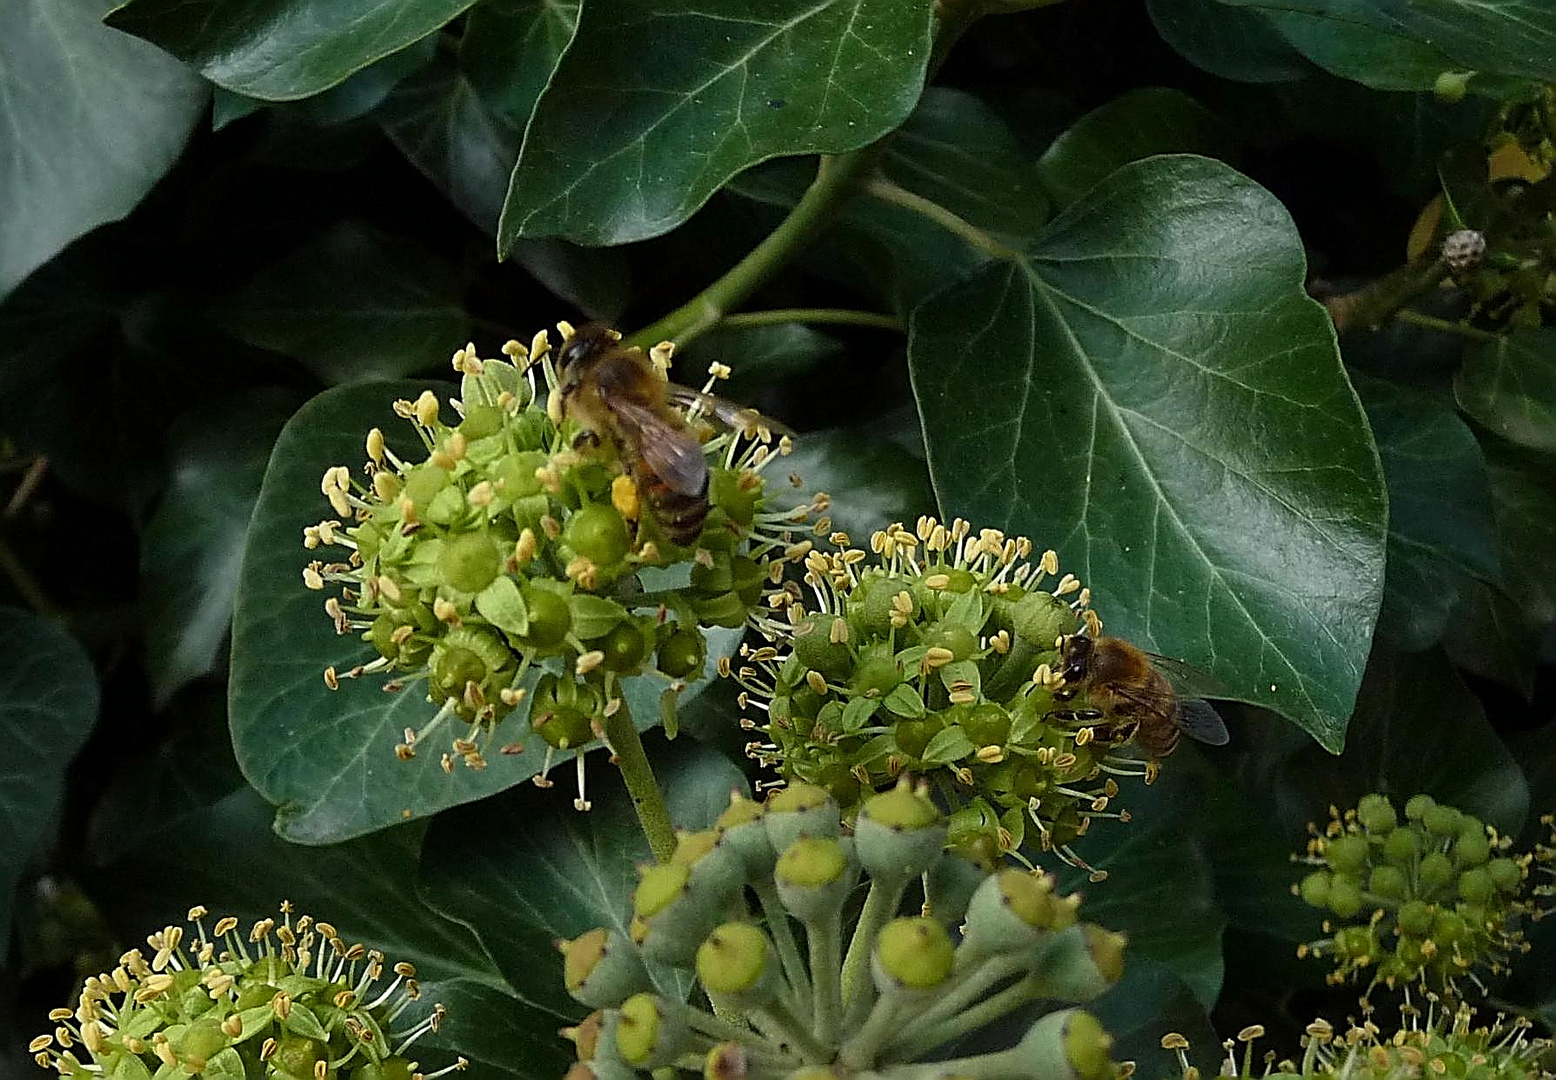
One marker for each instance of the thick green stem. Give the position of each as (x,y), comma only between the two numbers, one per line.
(879,906)
(923,1038)
(1432,322)
(826,961)
(783,939)
(836,179)
(647,799)
(835,316)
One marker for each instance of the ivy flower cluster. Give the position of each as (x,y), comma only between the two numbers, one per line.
(508,561)
(1432,901)
(874,999)
(938,653)
(284,1000)
(1435,1042)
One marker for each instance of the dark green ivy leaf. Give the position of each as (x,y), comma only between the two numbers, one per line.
(92,120)
(1152,393)
(282,50)
(354,305)
(658,102)
(1509,385)
(48,704)
(1440,533)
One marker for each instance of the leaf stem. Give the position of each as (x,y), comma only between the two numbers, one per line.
(26,585)
(837,316)
(647,799)
(1432,322)
(887,191)
(836,180)
(880,904)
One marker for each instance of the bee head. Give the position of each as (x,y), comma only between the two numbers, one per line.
(586,343)
(1076,651)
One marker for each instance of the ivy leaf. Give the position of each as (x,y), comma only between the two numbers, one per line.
(1159,890)
(495,1029)
(48,704)
(1491,637)
(1440,533)
(1225,41)
(1151,120)
(1158,399)
(1509,385)
(957,151)
(1502,37)
(226,857)
(525,869)
(1523,497)
(1417,729)
(758,355)
(656,104)
(327,758)
(1344,44)
(193,543)
(354,305)
(282,50)
(872,481)
(93,120)
(510,47)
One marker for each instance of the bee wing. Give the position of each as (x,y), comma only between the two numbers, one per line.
(1187,680)
(1199,721)
(729,413)
(672,453)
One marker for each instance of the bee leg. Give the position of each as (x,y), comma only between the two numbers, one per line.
(1076,716)
(586,440)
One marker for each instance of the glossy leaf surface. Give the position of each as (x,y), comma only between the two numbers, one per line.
(1509,385)
(48,704)
(656,105)
(1130,376)
(282,50)
(93,118)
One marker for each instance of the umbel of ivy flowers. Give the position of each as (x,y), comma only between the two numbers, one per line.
(879,996)
(938,652)
(1435,1042)
(1433,901)
(285,1000)
(505,563)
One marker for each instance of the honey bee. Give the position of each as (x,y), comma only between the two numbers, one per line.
(1130,688)
(615,392)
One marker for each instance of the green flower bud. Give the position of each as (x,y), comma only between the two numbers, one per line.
(1347,854)
(718,872)
(737,966)
(601,968)
(1013,909)
(899,834)
(815,648)
(800,810)
(1441,820)
(1389,882)
(650,1035)
(912,954)
(669,921)
(1436,870)
(1402,848)
(1345,898)
(1314,889)
(1080,964)
(1472,847)
(1416,917)
(1066,1045)
(598,533)
(743,831)
(1506,874)
(1476,886)
(550,616)
(1417,806)
(813,875)
(1376,813)
(949,887)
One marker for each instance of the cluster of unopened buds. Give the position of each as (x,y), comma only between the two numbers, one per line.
(876,998)
(512,561)
(284,1000)
(1433,1042)
(937,652)
(1432,902)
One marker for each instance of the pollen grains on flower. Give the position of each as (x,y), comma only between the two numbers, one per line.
(280,997)
(500,557)
(935,652)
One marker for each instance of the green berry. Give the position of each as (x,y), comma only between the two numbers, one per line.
(914,953)
(1415,917)
(550,617)
(1506,874)
(956,639)
(1418,805)
(1476,886)
(1472,847)
(1441,820)
(815,649)
(625,646)
(1402,848)
(987,724)
(1436,870)
(1345,898)
(1314,889)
